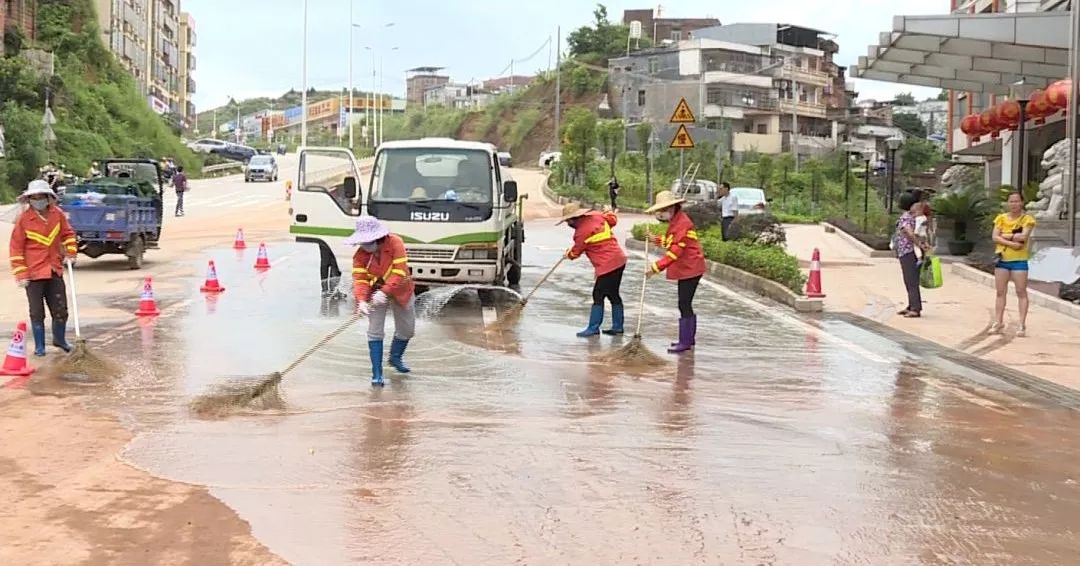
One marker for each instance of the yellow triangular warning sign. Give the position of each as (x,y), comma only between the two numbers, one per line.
(682,139)
(682,114)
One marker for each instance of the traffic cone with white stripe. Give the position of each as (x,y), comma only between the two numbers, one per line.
(238,243)
(212,285)
(813,284)
(147,304)
(15,360)
(262,262)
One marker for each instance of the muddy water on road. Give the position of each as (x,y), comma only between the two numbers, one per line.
(776,442)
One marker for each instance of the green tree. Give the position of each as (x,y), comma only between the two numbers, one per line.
(910,124)
(918,155)
(609,133)
(943,95)
(601,41)
(765,168)
(905,99)
(579,131)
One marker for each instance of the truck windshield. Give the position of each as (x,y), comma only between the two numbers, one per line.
(426,174)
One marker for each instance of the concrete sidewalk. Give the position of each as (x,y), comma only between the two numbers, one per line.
(958,315)
(835,250)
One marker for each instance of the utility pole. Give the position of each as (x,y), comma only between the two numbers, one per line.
(303,91)
(558,85)
(349,116)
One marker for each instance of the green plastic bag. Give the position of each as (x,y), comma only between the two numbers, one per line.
(930,272)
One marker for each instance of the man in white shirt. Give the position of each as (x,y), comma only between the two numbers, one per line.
(729,210)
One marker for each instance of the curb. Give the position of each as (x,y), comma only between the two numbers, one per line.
(728,275)
(560,200)
(863,248)
(1065,396)
(1036,297)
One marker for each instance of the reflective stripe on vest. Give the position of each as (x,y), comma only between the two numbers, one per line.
(600,236)
(42,239)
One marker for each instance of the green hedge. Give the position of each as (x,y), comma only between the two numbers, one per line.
(770,262)
(786,218)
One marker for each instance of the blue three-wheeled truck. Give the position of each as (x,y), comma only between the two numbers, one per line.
(119,212)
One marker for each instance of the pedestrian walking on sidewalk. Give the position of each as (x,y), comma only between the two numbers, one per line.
(729,211)
(180,183)
(594,238)
(904,243)
(1012,236)
(613,193)
(381,283)
(683,260)
(40,242)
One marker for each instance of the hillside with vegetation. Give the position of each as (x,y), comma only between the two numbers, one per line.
(99,111)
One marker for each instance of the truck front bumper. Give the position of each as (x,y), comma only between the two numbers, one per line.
(453,273)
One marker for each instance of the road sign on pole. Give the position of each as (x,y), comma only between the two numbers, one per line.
(682,139)
(682,114)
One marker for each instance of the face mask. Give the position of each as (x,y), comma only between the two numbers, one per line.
(369,248)
(39,205)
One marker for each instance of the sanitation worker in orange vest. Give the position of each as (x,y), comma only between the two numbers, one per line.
(683,260)
(41,240)
(594,238)
(381,282)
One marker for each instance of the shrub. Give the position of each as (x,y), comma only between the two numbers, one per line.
(762,229)
(705,214)
(874,241)
(785,218)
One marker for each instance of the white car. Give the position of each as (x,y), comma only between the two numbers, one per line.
(751,200)
(207,145)
(549,158)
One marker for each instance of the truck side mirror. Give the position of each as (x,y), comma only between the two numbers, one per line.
(510,191)
(350,188)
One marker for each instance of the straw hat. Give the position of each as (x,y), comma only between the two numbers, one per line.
(572,210)
(664,199)
(37,187)
(418,193)
(368,229)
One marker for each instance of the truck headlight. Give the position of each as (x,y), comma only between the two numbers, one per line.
(466,254)
(110,217)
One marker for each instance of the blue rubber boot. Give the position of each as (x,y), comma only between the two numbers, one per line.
(397,350)
(38,329)
(616,321)
(596,317)
(375,350)
(59,329)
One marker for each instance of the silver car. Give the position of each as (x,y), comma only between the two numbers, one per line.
(751,200)
(261,168)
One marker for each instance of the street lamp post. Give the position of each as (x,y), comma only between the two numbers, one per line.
(1021,91)
(846,147)
(303,85)
(382,96)
(866,193)
(894,144)
(352,30)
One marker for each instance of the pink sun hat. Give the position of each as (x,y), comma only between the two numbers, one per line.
(368,229)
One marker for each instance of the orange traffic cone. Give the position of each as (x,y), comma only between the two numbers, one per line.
(212,285)
(262,262)
(239,243)
(813,284)
(147,304)
(15,360)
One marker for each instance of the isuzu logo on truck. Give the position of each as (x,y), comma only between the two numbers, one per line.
(419,216)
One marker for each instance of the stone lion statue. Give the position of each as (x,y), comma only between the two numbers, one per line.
(1050,203)
(958,177)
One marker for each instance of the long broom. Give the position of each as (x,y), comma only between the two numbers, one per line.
(265,394)
(511,315)
(81,362)
(635,353)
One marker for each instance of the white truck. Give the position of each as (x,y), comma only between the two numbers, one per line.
(452,203)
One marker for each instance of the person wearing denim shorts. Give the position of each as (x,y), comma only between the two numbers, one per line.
(1012,239)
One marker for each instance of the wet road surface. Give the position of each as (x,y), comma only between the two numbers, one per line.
(779,441)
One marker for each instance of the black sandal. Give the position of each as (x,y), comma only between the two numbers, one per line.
(912,314)
(903,312)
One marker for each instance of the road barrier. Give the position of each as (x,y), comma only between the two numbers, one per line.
(222,168)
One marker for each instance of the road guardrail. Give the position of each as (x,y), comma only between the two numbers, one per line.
(222,167)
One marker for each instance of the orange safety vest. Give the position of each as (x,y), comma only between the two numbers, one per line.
(386,270)
(594,238)
(39,243)
(683,257)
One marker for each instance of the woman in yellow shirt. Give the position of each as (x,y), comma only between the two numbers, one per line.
(1012,236)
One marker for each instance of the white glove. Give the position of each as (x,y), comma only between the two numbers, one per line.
(363,308)
(378,299)
(23,283)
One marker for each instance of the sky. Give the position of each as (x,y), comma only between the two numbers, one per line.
(249,48)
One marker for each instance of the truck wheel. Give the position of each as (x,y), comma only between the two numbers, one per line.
(513,272)
(136,250)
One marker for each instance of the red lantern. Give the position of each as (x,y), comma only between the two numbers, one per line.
(1057,94)
(1008,114)
(972,126)
(987,122)
(1038,108)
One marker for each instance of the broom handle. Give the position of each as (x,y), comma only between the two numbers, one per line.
(74,300)
(543,279)
(644,280)
(324,341)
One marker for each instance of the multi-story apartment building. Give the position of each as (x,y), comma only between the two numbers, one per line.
(759,82)
(659,29)
(18,16)
(419,80)
(187,68)
(145,36)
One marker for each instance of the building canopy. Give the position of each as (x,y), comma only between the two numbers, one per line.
(970,52)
